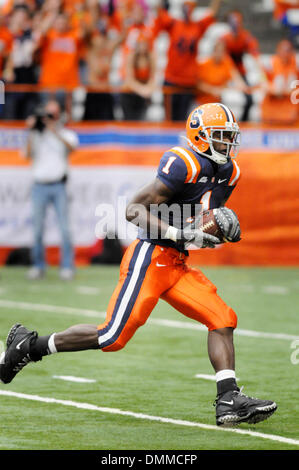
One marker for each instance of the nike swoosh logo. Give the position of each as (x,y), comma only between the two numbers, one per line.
(221,181)
(228,402)
(160,265)
(18,346)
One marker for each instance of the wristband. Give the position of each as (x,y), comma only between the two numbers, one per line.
(172,233)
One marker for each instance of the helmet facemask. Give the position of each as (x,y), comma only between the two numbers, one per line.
(228,136)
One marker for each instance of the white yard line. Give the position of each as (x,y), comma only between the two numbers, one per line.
(87,290)
(50,308)
(71,378)
(153,321)
(175,422)
(280,290)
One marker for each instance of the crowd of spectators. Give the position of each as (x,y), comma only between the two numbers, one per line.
(52,47)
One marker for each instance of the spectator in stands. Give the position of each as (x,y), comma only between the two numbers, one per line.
(238,42)
(132,28)
(60,53)
(287,13)
(20,67)
(6,43)
(49,145)
(104,39)
(99,104)
(281,74)
(216,73)
(140,79)
(7,6)
(282,6)
(129,13)
(283,70)
(184,35)
(84,16)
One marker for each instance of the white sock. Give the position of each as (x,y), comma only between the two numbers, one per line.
(225,374)
(51,345)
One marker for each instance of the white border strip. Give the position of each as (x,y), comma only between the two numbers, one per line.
(153,321)
(176,422)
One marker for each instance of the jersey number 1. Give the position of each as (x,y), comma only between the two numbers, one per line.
(205,200)
(166,168)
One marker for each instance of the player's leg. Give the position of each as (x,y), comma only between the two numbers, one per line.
(131,303)
(138,291)
(196,297)
(221,349)
(145,272)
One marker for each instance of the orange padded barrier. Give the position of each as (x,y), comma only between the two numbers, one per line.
(266,201)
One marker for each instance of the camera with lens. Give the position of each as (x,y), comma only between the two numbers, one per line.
(40,117)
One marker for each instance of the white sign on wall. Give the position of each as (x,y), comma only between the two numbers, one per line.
(87,187)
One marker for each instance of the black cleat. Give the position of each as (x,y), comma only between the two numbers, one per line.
(234,407)
(17,354)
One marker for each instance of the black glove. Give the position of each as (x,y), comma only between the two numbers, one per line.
(228,221)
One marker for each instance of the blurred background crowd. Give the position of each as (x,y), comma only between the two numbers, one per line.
(149,59)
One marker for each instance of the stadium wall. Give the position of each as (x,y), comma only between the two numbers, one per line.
(115,159)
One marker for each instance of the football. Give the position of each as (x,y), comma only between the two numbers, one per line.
(210,224)
(221,222)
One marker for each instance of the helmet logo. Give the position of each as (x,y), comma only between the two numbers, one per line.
(209,132)
(195,121)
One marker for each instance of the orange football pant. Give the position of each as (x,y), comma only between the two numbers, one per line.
(149,272)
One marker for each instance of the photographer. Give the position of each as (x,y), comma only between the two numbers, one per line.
(49,145)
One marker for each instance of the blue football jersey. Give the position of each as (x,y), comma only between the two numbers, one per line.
(197,183)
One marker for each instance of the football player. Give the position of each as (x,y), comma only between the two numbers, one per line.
(202,172)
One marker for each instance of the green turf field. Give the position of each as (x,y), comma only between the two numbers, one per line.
(155,374)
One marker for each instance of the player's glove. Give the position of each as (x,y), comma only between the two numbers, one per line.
(198,238)
(228,221)
(192,235)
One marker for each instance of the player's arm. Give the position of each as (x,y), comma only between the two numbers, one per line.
(163,20)
(139,213)
(138,210)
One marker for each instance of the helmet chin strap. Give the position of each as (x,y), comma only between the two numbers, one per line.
(217,157)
